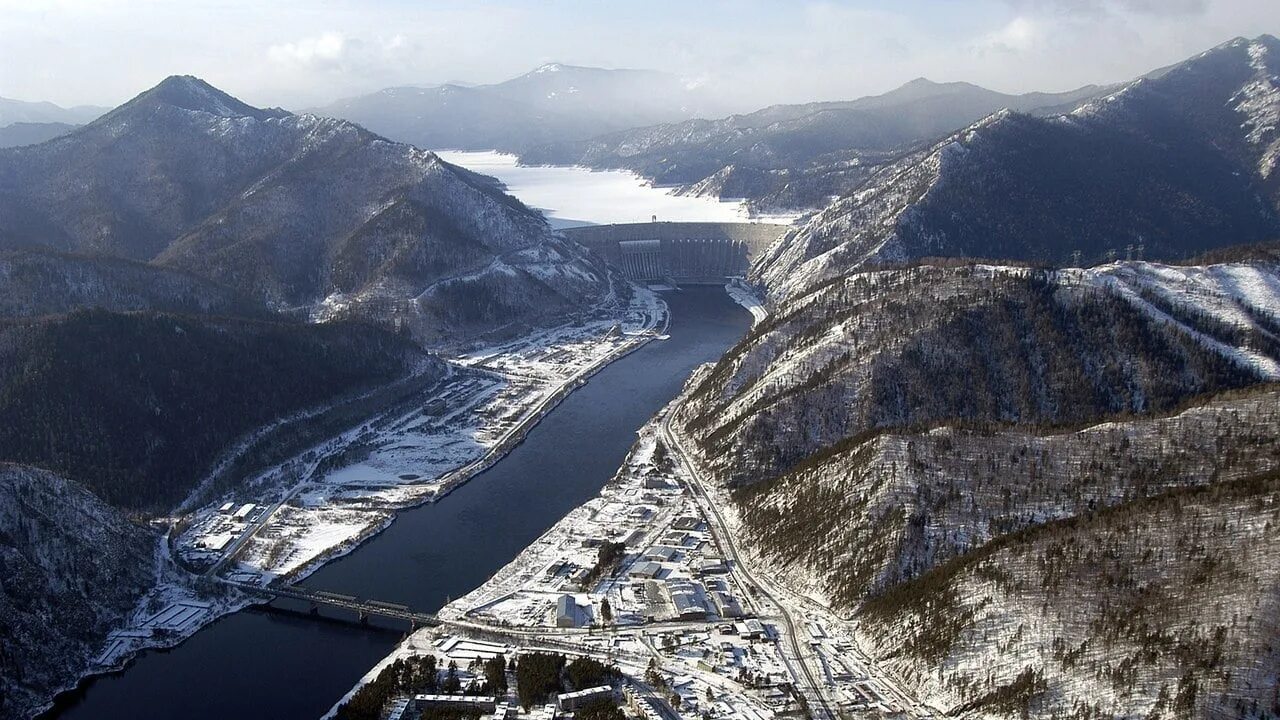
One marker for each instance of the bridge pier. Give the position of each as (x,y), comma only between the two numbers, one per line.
(364,617)
(314,609)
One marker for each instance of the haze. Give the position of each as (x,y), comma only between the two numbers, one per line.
(298,54)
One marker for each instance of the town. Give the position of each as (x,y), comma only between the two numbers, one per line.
(636,580)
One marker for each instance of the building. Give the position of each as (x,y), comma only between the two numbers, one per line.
(580,698)
(676,538)
(726,605)
(712,566)
(244,511)
(400,709)
(645,569)
(578,579)
(750,629)
(656,482)
(687,600)
(659,553)
(687,522)
(568,614)
(483,703)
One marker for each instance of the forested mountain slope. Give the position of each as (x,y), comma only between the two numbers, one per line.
(983,344)
(290,210)
(35,282)
(137,406)
(789,157)
(1169,166)
(1006,460)
(72,569)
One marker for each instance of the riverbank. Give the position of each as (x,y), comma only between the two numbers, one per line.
(288,663)
(671,601)
(494,397)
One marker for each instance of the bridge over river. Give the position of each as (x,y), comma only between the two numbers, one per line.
(683,252)
(362,607)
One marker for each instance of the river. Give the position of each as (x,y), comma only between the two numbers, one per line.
(268,664)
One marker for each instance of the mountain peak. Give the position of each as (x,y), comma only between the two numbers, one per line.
(188,92)
(548,68)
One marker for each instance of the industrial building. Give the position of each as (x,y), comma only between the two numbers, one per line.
(568,614)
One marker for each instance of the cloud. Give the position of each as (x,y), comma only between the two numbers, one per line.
(321,51)
(1021,35)
(1101,8)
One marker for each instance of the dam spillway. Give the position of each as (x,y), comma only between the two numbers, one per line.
(684,252)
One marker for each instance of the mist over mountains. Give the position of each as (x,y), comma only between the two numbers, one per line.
(550,104)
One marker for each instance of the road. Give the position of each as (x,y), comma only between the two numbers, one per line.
(770,590)
(456,477)
(808,686)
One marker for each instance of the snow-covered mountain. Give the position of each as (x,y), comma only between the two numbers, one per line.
(1049,491)
(1169,165)
(294,210)
(551,104)
(74,568)
(789,157)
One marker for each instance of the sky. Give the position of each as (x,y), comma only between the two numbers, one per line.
(297,54)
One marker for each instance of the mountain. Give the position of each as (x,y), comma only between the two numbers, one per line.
(19,111)
(1033,492)
(788,157)
(34,282)
(984,344)
(23,133)
(553,103)
(1169,166)
(292,211)
(74,568)
(138,406)
(1044,493)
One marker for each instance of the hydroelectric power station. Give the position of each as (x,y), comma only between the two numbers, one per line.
(683,252)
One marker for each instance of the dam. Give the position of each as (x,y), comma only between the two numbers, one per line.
(681,252)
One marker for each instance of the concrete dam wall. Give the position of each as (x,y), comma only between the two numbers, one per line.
(686,252)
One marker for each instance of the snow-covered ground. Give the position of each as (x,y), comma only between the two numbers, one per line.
(322,503)
(571,196)
(335,496)
(675,603)
(747,298)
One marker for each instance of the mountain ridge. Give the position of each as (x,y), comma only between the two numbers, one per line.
(186,176)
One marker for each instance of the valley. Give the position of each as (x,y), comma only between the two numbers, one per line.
(591,393)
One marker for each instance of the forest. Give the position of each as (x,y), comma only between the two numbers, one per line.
(137,406)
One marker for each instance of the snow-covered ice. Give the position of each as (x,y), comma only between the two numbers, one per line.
(571,196)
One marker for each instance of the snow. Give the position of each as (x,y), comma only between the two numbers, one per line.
(747,298)
(1259,102)
(572,196)
(339,493)
(1230,293)
(703,662)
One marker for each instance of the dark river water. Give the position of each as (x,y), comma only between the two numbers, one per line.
(282,665)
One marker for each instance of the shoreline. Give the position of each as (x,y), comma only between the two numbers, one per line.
(116,661)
